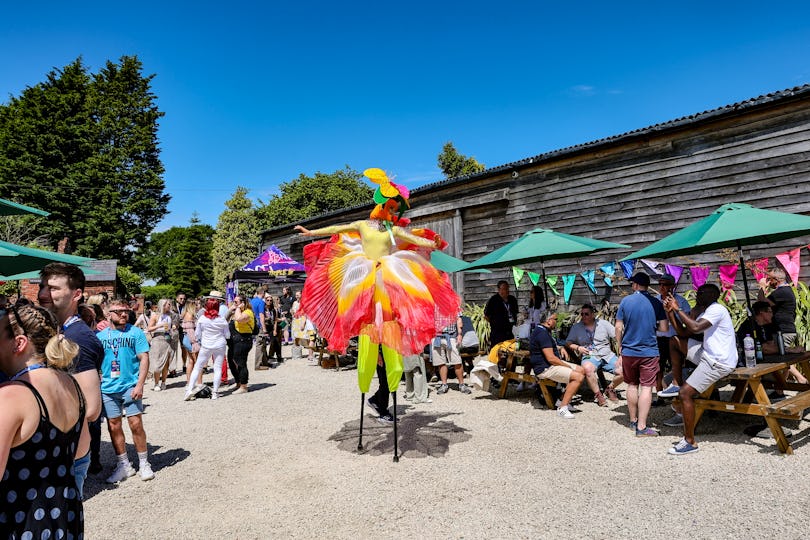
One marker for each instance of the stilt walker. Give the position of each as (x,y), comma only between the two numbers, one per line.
(372,279)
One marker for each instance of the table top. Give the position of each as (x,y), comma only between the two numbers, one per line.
(774,363)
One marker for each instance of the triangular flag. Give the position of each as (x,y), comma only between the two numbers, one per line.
(760,268)
(699,275)
(534,277)
(588,276)
(675,271)
(628,267)
(552,284)
(728,274)
(656,267)
(791,261)
(517,273)
(568,282)
(609,269)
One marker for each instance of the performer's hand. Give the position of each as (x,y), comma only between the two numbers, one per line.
(303,230)
(438,241)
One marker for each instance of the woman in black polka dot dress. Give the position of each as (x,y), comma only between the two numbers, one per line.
(42,414)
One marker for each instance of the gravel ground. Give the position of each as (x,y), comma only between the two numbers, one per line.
(281,461)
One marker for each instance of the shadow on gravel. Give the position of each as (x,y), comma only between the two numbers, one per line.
(159,459)
(421,434)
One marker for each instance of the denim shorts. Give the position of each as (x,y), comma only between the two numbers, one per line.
(608,365)
(80,467)
(120,403)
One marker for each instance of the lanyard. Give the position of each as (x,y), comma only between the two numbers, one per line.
(72,319)
(25,370)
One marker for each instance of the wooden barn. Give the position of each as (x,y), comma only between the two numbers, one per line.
(633,188)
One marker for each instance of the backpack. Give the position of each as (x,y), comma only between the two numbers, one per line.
(255,330)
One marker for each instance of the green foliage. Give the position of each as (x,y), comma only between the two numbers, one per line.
(154,293)
(737,309)
(308,196)
(454,164)
(129,281)
(180,257)
(84,147)
(235,238)
(476,313)
(802,293)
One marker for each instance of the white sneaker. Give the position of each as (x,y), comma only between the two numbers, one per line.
(122,472)
(146,472)
(563,412)
(188,396)
(214,395)
(157,388)
(163,385)
(571,408)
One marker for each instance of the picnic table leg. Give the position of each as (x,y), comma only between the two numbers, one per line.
(504,387)
(362,404)
(546,395)
(761,397)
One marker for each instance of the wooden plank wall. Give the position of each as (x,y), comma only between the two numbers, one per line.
(634,194)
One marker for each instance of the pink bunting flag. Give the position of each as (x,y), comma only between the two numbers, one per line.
(728,274)
(760,268)
(675,271)
(791,262)
(699,275)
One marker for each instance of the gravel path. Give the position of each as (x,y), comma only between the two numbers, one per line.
(281,462)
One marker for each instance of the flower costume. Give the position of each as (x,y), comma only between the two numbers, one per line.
(373,279)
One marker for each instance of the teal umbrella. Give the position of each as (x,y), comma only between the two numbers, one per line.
(447,263)
(16,259)
(540,245)
(10,208)
(731,225)
(34,274)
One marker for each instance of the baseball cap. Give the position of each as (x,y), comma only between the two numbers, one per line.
(666,278)
(641,278)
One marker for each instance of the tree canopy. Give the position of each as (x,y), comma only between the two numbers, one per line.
(84,147)
(453,164)
(179,257)
(308,196)
(236,237)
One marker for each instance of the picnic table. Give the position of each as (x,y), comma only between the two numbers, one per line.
(516,367)
(750,395)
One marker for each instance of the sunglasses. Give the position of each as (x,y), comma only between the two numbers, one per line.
(13,309)
(119,311)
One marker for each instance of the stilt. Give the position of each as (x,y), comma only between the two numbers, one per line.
(362,404)
(396,449)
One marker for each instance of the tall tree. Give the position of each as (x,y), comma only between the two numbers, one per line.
(179,257)
(453,164)
(235,238)
(308,196)
(84,147)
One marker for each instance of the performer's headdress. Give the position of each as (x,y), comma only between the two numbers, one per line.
(390,197)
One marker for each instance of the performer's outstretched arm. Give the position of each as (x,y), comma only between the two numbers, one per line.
(327,231)
(401,233)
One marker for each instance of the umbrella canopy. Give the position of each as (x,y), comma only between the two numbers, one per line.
(447,263)
(10,208)
(542,245)
(731,225)
(16,259)
(34,274)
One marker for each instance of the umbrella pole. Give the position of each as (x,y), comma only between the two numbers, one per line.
(745,281)
(545,287)
(362,403)
(396,449)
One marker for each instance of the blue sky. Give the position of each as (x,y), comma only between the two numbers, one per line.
(256,93)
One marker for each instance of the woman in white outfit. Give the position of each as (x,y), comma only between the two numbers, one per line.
(212,331)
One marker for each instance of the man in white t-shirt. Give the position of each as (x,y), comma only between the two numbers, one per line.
(715,357)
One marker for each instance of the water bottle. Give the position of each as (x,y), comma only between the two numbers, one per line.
(750,352)
(758,349)
(780,343)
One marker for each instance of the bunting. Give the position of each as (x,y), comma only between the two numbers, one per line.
(699,275)
(568,283)
(534,277)
(552,284)
(675,271)
(588,276)
(760,268)
(656,267)
(728,275)
(791,261)
(517,273)
(628,267)
(609,269)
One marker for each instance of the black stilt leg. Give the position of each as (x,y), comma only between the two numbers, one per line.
(362,404)
(396,449)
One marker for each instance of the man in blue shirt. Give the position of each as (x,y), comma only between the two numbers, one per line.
(639,316)
(123,373)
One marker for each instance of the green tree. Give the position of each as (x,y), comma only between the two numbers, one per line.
(308,196)
(129,282)
(235,238)
(454,164)
(84,147)
(179,257)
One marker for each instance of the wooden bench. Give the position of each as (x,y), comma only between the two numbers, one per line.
(791,408)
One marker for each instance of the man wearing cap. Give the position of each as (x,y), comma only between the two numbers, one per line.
(639,316)
(666,286)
